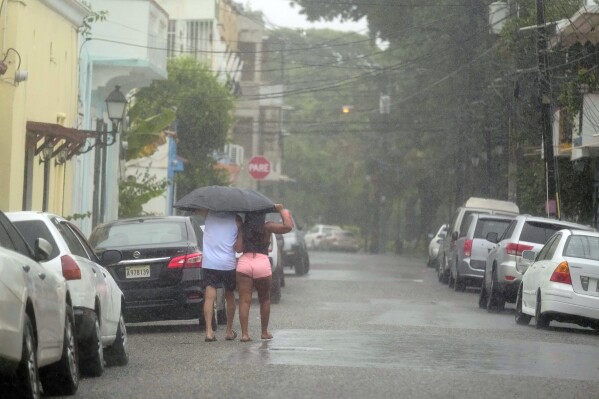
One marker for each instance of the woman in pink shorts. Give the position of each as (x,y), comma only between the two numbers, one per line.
(253,267)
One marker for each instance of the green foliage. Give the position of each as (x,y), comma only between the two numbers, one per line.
(137,191)
(457,92)
(78,216)
(90,19)
(145,135)
(203,113)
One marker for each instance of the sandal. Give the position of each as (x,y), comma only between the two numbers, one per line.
(232,337)
(245,340)
(207,339)
(267,338)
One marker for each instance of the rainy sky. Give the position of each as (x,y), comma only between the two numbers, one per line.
(281,14)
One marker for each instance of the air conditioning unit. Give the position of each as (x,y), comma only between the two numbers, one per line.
(234,153)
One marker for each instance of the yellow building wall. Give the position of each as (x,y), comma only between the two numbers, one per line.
(48,48)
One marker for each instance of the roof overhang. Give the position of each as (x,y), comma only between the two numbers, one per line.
(58,136)
(580,28)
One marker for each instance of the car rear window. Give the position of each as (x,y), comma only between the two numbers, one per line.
(486,226)
(585,247)
(31,230)
(538,232)
(119,235)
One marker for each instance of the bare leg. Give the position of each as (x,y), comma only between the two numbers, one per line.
(209,298)
(244,287)
(263,288)
(230,307)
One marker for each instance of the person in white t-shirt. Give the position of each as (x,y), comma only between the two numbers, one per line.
(218,266)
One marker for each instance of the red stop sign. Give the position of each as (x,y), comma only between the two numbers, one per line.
(259,167)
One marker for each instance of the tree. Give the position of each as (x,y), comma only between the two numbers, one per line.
(203,108)
(456,90)
(137,191)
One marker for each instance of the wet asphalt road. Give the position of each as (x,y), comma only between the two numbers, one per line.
(361,326)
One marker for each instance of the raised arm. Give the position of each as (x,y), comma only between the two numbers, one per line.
(281,228)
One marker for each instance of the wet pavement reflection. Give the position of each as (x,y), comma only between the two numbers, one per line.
(341,348)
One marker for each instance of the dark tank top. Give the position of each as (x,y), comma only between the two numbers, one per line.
(253,241)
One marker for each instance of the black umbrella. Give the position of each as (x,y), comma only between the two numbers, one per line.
(225,199)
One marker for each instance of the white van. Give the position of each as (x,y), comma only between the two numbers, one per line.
(472,205)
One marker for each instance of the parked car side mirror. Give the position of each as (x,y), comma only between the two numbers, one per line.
(110,257)
(493,237)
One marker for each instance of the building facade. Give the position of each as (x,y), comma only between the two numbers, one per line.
(39,132)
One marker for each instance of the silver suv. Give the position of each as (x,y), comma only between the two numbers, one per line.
(472,205)
(502,276)
(472,248)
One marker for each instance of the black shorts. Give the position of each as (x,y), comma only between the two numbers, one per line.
(219,278)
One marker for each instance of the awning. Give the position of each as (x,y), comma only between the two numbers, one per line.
(58,136)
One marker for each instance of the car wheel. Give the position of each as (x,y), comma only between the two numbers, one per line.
(62,377)
(439,273)
(459,283)
(221,317)
(521,318)
(28,379)
(275,288)
(118,353)
(495,300)
(482,298)
(300,266)
(541,320)
(91,352)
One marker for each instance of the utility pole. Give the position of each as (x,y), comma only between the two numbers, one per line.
(551,205)
(384,111)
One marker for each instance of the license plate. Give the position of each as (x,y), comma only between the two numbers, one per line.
(137,271)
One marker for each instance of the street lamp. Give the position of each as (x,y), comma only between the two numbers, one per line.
(115,106)
(116,102)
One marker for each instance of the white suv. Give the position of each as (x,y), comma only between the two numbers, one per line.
(502,276)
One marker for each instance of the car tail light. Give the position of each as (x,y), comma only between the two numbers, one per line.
(561,274)
(189,261)
(510,278)
(70,268)
(468,248)
(516,249)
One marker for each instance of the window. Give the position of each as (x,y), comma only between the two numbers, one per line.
(34,229)
(140,234)
(509,231)
(585,247)
(538,232)
(247,53)
(549,248)
(466,225)
(486,226)
(71,239)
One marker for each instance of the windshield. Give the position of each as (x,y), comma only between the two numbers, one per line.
(118,235)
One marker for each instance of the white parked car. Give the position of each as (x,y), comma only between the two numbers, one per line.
(562,281)
(37,331)
(97,299)
(502,275)
(435,244)
(314,236)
